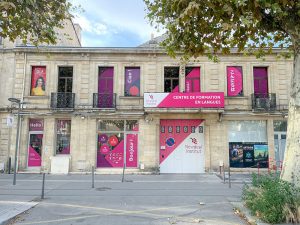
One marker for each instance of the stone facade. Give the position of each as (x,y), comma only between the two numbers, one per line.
(15,81)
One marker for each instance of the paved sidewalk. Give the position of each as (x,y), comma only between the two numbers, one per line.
(142,199)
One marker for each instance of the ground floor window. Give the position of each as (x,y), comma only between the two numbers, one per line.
(248,145)
(116,140)
(63,136)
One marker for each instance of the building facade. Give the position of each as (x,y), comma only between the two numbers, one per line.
(110,107)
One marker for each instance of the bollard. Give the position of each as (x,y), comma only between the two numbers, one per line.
(224,178)
(229,179)
(123,172)
(9,165)
(93,176)
(43,187)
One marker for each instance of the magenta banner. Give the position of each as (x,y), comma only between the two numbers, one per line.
(132,81)
(131,150)
(184,100)
(36,125)
(234,81)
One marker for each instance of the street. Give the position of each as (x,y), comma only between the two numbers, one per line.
(142,199)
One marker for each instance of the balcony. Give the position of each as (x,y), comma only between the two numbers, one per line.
(62,100)
(104,100)
(263,102)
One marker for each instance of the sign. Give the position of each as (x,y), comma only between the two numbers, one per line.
(9,121)
(184,100)
(36,125)
(234,81)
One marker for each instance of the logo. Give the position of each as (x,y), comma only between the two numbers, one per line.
(151,97)
(194,140)
(170,142)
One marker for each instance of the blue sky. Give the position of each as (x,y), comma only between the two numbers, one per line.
(113,23)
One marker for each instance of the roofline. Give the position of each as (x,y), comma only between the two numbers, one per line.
(113,50)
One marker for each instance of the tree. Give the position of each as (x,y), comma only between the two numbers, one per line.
(212,27)
(33,20)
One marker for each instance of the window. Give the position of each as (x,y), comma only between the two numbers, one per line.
(65,79)
(234,81)
(38,81)
(132,81)
(171,77)
(260,77)
(63,136)
(248,145)
(117,138)
(192,79)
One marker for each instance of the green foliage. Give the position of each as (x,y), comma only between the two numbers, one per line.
(33,20)
(272,199)
(216,26)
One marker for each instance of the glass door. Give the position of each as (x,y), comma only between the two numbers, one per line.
(35,149)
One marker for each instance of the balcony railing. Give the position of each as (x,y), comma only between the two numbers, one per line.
(263,102)
(62,100)
(104,100)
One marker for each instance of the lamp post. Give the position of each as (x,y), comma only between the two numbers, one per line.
(18,101)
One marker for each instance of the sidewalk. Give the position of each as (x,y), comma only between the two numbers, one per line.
(142,199)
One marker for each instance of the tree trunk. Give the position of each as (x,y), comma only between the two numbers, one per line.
(291,163)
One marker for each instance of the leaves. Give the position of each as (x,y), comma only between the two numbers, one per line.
(33,20)
(216,26)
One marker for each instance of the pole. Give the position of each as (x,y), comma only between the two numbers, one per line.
(229,179)
(17,145)
(93,176)
(43,187)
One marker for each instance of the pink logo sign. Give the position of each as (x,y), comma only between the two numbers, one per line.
(36,125)
(184,100)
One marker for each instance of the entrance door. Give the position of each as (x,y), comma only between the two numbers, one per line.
(105,87)
(35,149)
(280,142)
(181,146)
(260,75)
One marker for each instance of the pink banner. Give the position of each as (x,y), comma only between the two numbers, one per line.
(131,150)
(234,81)
(34,158)
(184,100)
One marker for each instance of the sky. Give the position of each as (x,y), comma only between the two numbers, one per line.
(113,23)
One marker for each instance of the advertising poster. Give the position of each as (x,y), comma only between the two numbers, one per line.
(132,81)
(261,155)
(38,81)
(248,155)
(236,154)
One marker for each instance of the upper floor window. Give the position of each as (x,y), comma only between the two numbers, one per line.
(234,81)
(171,79)
(65,79)
(132,81)
(38,81)
(192,79)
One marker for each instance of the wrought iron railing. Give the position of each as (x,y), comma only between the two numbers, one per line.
(104,100)
(62,100)
(263,102)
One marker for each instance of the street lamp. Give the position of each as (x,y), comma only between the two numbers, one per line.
(18,101)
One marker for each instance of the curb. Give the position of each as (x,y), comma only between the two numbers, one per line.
(11,209)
